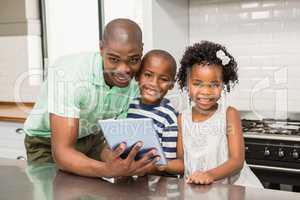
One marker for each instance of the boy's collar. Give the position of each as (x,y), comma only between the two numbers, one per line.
(164,101)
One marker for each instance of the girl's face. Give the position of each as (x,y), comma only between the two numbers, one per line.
(205,86)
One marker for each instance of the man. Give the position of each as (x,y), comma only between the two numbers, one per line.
(79,90)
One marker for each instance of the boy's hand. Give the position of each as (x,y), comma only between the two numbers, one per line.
(199,177)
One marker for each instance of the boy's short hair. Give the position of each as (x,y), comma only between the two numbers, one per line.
(164,54)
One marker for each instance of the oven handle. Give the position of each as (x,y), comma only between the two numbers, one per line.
(279,169)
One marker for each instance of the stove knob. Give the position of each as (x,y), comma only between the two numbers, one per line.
(267,152)
(246,149)
(280,153)
(295,154)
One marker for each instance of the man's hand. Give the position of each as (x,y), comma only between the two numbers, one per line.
(117,166)
(198,177)
(107,154)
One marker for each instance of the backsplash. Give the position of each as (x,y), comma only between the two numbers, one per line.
(263,36)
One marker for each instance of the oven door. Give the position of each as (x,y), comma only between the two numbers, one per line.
(271,168)
(276,175)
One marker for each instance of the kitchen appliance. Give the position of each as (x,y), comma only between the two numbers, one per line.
(272,150)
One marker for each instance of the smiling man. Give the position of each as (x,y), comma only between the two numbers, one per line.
(81,89)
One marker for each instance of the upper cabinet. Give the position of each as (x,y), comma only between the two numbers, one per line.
(27,50)
(21,52)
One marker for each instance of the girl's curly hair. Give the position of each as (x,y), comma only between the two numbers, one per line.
(205,53)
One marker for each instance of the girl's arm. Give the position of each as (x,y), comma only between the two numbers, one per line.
(235,145)
(176,166)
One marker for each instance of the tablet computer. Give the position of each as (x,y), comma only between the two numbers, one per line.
(131,131)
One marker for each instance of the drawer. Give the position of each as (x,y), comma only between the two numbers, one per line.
(12,142)
(8,130)
(12,153)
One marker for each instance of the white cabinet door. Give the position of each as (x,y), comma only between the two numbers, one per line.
(12,141)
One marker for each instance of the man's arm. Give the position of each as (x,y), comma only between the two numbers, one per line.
(63,140)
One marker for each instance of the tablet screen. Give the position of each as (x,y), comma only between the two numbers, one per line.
(130,131)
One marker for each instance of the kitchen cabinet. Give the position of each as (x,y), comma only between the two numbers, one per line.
(12,140)
(20,50)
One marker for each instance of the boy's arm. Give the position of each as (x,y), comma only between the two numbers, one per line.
(176,166)
(235,145)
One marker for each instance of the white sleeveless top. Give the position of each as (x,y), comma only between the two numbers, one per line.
(205,147)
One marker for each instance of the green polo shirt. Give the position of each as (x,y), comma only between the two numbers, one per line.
(76,88)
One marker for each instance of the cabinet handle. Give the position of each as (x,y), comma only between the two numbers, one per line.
(21,158)
(20,131)
(279,169)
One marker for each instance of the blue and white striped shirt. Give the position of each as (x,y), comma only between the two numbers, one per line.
(164,117)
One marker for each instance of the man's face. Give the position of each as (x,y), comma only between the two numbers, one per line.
(121,62)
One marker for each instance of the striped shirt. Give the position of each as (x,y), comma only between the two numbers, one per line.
(164,117)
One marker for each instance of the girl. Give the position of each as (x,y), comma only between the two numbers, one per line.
(210,133)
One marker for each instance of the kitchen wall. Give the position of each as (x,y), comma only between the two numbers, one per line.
(20,47)
(263,36)
(115,8)
(164,24)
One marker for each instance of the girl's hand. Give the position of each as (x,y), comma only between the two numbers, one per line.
(198,177)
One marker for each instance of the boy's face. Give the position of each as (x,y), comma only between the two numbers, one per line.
(155,79)
(121,62)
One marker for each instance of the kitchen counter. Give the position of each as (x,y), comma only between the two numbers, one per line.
(14,112)
(44,181)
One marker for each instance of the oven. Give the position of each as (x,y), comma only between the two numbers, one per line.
(272,150)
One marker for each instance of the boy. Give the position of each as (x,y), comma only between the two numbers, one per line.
(156,77)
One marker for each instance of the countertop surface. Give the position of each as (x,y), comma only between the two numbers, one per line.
(14,112)
(20,180)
